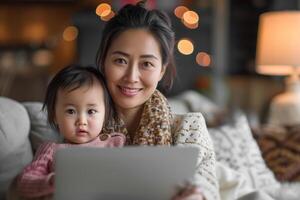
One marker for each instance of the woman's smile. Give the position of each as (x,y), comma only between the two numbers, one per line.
(127,91)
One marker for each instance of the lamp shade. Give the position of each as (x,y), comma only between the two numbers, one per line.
(278,43)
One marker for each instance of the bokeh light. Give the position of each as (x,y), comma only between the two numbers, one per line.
(191,26)
(42,58)
(185,47)
(103,9)
(203,59)
(3,32)
(108,17)
(190,17)
(35,32)
(70,33)
(7,60)
(179,11)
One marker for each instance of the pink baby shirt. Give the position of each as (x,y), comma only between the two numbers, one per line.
(34,180)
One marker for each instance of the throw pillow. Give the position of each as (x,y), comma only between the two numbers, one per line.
(281,150)
(236,148)
(40,130)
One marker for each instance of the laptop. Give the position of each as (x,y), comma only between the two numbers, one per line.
(133,173)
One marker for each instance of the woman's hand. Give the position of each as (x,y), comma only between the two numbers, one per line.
(189,193)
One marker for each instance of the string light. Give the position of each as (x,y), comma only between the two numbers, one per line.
(108,17)
(191,26)
(190,19)
(203,59)
(179,11)
(103,9)
(185,47)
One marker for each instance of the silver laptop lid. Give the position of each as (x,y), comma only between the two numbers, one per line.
(122,173)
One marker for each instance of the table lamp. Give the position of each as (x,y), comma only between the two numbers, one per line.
(278,53)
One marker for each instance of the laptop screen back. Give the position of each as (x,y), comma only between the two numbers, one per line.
(122,173)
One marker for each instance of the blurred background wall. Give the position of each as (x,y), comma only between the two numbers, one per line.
(215,54)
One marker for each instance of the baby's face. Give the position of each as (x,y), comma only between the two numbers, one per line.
(80,113)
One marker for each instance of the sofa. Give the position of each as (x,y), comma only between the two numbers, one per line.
(241,169)
(23,127)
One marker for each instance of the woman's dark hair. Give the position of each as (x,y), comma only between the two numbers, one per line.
(71,78)
(137,16)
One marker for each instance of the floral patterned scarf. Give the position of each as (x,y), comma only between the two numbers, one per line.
(154,127)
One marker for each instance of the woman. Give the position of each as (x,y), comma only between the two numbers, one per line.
(135,54)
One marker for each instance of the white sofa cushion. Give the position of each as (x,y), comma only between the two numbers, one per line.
(40,130)
(178,107)
(236,148)
(193,101)
(15,148)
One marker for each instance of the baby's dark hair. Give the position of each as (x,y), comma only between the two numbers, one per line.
(71,78)
(135,17)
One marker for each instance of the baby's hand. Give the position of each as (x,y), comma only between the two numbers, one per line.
(119,139)
(189,193)
(51,179)
(112,140)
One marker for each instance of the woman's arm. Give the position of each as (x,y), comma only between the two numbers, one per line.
(37,178)
(190,130)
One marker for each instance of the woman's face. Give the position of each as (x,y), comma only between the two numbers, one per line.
(133,67)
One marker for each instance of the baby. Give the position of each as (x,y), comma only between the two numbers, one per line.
(78,106)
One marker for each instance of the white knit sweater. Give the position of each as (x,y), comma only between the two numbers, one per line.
(190,130)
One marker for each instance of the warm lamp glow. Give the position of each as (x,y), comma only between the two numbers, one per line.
(185,46)
(278,53)
(278,43)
